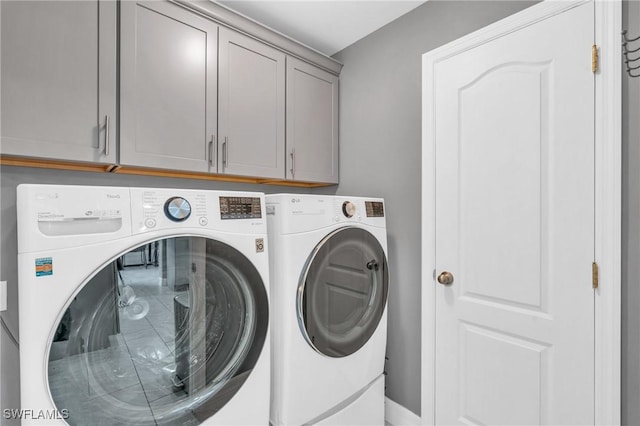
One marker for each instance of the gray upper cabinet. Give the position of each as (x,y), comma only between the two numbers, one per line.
(312,123)
(201,89)
(58,79)
(168,77)
(251,126)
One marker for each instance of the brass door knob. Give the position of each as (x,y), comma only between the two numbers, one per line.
(445,278)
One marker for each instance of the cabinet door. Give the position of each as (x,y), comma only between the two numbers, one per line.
(312,123)
(58,79)
(168,87)
(251,102)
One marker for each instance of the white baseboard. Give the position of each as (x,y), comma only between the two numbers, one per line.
(397,415)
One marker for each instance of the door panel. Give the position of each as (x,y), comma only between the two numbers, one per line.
(312,123)
(168,87)
(514,192)
(58,79)
(252,79)
(518,146)
(514,366)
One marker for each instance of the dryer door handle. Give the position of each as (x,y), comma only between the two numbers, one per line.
(373,265)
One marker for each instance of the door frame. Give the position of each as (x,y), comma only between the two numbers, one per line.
(608,204)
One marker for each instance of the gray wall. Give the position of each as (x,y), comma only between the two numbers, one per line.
(380,153)
(631,229)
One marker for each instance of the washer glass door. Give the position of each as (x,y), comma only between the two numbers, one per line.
(165,334)
(342,293)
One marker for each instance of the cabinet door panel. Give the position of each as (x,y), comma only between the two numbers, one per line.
(168,80)
(251,126)
(58,79)
(312,123)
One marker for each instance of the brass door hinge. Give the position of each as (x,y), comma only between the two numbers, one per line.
(594,275)
(594,58)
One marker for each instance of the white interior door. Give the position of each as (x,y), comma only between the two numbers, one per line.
(513,138)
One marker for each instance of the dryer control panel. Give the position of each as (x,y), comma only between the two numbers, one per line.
(293,213)
(358,209)
(374,208)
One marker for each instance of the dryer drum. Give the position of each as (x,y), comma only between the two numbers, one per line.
(178,363)
(342,292)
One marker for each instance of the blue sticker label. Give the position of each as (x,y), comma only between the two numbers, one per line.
(44,266)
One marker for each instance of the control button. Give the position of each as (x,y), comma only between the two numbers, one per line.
(177,209)
(150,223)
(336,219)
(203,221)
(348,208)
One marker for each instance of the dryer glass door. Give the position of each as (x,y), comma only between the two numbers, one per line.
(166,333)
(342,293)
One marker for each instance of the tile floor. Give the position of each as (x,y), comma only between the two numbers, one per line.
(131,380)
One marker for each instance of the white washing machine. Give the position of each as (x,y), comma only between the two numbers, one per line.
(143,306)
(329,321)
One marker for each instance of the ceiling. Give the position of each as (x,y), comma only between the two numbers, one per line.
(325,25)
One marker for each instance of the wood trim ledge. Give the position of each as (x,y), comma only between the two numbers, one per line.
(139,171)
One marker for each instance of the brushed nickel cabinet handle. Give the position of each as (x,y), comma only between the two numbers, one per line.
(293,163)
(106,135)
(211,149)
(224,152)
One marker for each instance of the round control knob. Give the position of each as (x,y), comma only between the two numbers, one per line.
(177,209)
(348,208)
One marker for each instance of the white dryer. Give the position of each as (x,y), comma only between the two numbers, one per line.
(329,289)
(143,306)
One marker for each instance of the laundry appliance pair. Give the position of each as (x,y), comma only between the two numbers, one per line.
(155,306)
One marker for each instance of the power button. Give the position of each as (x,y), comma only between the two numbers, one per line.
(150,223)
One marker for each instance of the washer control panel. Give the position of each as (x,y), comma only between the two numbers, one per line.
(177,209)
(240,208)
(177,206)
